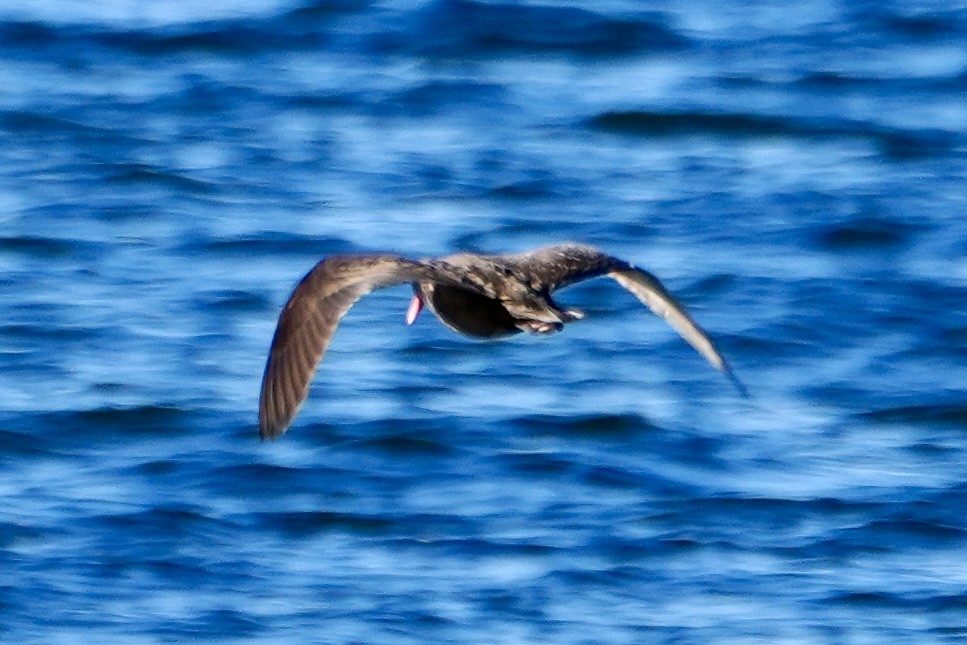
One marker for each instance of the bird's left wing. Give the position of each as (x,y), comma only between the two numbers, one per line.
(308,321)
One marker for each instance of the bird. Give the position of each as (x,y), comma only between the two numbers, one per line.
(478,295)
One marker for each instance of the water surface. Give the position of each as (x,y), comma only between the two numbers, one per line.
(794,174)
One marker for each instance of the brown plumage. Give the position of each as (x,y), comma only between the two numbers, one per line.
(484,296)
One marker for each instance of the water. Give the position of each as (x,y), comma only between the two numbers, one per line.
(793,172)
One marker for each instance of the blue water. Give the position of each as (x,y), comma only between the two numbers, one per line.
(795,172)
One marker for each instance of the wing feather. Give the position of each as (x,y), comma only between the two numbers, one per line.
(556,267)
(652,293)
(308,321)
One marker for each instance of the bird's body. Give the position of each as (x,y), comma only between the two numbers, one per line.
(466,312)
(483,296)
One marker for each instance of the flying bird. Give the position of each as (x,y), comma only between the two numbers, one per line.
(483,296)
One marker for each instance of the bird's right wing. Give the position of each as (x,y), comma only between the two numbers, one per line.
(308,321)
(555,267)
(652,293)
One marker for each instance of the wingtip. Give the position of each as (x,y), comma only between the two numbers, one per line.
(266,433)
(270,434)
(739,385)
(271,429)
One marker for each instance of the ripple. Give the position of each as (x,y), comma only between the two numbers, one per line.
(592,426)
(466,27)
(867,233)
(952,415)
(894,143)
(307,523)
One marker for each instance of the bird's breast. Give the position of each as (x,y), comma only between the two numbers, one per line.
(471,313)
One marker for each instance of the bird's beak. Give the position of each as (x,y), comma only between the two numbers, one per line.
(416,305)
